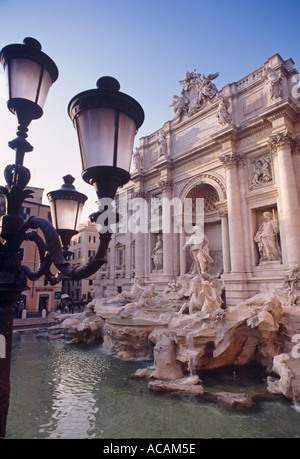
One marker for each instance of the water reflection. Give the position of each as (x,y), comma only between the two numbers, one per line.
(77,391)
(74,401)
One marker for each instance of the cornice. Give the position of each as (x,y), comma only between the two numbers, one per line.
(250,129)
(257,196)
(286,108)
(227,134)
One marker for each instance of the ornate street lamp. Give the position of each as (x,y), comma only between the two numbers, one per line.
(30,74)
(66,206)
(106,121)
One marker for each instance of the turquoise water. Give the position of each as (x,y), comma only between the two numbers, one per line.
(61,390)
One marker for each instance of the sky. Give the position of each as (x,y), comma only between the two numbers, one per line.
(147,45)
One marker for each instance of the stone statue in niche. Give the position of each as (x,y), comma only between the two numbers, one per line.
(197,89)
(274,82)
(199,250)
(222,113)
(157,254)
(267,239)
(261,171)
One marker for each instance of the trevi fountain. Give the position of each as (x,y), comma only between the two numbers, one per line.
(186,329)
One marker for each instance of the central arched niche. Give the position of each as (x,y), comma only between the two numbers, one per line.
(212,224)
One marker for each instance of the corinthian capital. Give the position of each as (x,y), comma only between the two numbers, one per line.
(281,139)
(165,184)
(139,194)
(230,159)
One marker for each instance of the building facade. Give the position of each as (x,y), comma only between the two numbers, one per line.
(83,246)
(238,149)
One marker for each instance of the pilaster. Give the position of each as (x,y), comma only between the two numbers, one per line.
(166,185)
(282,144)
(231,161)
(225,240)
(140,242)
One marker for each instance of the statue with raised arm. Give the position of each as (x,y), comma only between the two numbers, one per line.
(199,244)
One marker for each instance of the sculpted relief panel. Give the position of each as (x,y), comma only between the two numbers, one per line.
(260,172)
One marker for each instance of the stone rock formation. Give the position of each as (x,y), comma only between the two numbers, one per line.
(186,330)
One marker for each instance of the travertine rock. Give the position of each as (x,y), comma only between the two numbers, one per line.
(191,385)
(128,342)
(83,327)
(167,367)
(235,402)
(259,330)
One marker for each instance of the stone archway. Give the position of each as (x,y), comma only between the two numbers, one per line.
(216,181)
(212,221)
(208,193)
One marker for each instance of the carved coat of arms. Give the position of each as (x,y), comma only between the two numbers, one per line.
(197,90)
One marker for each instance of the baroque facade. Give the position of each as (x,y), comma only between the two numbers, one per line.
(238,148)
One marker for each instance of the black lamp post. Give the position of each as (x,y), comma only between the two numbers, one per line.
(106,121)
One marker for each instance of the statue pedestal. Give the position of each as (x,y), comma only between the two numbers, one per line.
(269,268)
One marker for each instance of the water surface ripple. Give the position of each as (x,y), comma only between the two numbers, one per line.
(61,390)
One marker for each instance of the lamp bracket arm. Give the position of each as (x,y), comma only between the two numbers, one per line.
(50,251)
(45,261)
(95,262)
(52,243)
(52,279)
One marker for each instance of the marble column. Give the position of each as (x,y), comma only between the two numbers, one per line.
(225,241)
(168,241)
(176,252)
(182,253)
(289,220)
(235,227)
(140,259)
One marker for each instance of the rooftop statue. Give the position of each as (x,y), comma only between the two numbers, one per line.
(274,82)
(223,115)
